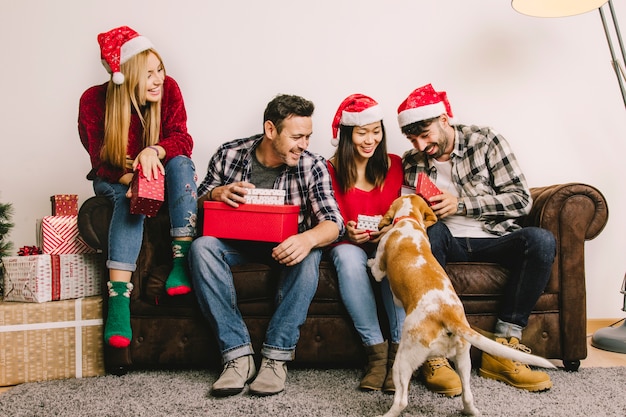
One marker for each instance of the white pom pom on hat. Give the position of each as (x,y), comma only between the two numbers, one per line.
(422,104)
(117,46)
(355,110)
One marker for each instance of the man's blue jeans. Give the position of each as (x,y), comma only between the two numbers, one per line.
(527,253)
(210,260)
(126,230)
(357,294)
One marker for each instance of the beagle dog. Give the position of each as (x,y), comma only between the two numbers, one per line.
(435,323)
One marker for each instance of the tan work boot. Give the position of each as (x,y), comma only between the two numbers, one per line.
(388,386)
(516,374)
(376,369)
(271,378)
(234,377)
(439,377)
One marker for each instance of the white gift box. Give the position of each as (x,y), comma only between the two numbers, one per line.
(368,222)
(41,278)
(265,196)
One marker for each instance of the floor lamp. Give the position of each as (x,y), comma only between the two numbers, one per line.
(609,338)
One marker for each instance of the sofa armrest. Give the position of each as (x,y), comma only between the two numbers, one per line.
(574,213)
(94,218)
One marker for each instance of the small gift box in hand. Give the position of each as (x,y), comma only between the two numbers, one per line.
(424,187)
(369,223)
(148,196)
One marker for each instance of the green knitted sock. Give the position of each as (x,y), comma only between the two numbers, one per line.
(117,331)
(178,280)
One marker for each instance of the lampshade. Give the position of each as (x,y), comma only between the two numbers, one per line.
(555,8)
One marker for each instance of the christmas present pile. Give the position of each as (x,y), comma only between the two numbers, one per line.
(263,218)
(56,340)
(68,268)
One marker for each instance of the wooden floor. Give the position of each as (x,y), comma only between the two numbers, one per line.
(595,357)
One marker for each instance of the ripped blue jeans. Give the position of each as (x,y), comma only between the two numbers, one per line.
(126,230)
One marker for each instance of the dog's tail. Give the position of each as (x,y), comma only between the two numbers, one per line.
(498,349)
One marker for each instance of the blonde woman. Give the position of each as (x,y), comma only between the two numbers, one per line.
(137,120)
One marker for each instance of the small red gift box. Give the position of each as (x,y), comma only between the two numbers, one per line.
(64,204)
(261,222)
(425,188)
(148,196)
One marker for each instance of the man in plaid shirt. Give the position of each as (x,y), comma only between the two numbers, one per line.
(483,194)
(276,159)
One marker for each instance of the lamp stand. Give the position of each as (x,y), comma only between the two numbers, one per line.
(612,338)
(617,66)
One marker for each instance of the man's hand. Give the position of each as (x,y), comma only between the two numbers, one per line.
(231,194)
(293,250)
(444,204)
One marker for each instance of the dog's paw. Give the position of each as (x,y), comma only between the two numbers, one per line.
(471,411)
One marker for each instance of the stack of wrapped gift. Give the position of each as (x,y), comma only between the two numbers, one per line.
(264,217)
(51,315)
(68,268)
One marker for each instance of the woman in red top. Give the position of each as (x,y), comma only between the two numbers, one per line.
(366,180)
(137,120)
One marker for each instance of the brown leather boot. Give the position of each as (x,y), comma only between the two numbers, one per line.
(388,385)
(516,374)
(439,377)
(376,369)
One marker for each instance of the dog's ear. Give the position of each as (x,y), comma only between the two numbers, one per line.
(427,214)
(388,217)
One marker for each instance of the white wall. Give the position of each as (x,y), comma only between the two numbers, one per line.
(545,84)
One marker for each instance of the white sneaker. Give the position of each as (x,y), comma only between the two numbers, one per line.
(271,378)
(234,377)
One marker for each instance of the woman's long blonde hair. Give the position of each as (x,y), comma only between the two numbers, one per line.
(117,116)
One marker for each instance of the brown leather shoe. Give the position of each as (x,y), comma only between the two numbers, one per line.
(388,386)
(516,374)
(376,369)
(439,377)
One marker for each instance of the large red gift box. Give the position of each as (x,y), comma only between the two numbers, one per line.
(42,278)
(59,235)
(148,196)
(260,222)
(64,204)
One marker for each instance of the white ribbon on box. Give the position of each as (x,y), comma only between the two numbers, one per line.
(78,323)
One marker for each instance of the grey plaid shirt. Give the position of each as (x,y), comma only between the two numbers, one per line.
(307,185)
(487,177)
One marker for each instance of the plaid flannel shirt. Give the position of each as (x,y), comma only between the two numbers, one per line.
(487,177)
(307,185)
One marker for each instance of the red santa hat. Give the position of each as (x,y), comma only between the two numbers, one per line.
(118,46)
(356,110)
(422,104)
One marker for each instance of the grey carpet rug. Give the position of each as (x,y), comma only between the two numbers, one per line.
(323,393)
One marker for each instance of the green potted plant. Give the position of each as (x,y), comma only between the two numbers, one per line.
(6,213)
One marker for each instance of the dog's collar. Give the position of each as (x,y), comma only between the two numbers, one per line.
(397,219)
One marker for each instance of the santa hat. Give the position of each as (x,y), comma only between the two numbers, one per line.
(422,104)
(118,46)
(356,110)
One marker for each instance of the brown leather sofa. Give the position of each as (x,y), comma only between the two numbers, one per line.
(170,332)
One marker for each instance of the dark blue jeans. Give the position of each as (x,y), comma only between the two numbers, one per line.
(527,253)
